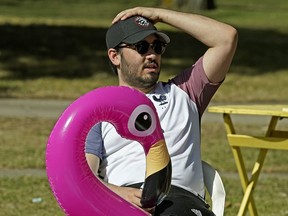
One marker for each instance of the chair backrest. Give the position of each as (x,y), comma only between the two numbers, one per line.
(215,188)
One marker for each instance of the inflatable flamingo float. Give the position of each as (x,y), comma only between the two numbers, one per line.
(74,186)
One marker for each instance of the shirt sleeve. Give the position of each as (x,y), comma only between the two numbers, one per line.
(195,83)
(94,141)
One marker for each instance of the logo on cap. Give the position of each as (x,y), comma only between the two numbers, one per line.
(141,21)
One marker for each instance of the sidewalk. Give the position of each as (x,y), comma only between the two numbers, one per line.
(32,108)
(53,109)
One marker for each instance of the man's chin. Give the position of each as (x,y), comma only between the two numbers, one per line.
(153,76)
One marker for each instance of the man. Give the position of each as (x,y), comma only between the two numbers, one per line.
(135,47)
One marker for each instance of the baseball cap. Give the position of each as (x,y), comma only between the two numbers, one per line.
(132,30)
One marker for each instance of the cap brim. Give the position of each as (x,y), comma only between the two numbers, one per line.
(143,34)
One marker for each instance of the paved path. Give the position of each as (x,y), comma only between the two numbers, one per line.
(53,108)
(32,108)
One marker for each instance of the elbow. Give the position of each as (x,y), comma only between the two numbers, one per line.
(232,38)
(229,42)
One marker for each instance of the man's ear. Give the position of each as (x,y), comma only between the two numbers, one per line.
(114,56)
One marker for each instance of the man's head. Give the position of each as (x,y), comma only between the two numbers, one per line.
(135,47)
(131,31)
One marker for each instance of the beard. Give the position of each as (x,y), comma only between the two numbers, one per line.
(131,76)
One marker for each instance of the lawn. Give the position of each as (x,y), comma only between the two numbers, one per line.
(17,201)
(23,143)
(55,49)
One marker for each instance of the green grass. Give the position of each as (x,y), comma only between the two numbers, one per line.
(23,142)
(48,45)
(270,196)
(56,49)
(17,194)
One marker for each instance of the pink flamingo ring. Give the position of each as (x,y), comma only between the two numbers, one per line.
(76,189)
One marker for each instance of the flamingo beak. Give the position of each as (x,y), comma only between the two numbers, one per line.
(158,175)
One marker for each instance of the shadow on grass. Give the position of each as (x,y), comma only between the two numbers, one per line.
(29,52)
(34,51)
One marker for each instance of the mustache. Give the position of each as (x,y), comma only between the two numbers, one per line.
(147,64)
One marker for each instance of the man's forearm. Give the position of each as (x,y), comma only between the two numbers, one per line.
(208,31)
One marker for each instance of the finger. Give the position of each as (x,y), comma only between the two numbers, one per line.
(137,201)
(138,193)
(120,17)
(127,13)
(149,210)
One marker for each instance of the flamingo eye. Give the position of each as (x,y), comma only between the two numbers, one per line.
(142,121)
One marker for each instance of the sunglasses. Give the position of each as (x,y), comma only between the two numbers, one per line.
(142,47)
